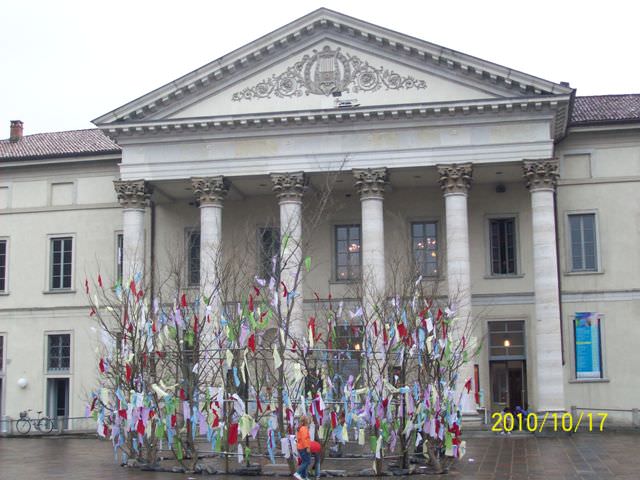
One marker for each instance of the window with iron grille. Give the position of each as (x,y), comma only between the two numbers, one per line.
(61,263)
(119,256)
(58,352)
(348,259)
(3,265)
(584,256)
(268,250)
(502,233)
(424,239)
(193,258)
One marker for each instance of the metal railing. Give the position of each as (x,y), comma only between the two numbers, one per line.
(619,420)
(61,425)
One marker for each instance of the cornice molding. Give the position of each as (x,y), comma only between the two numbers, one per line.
(455,179)
(541,174)
(133,193)
(371,182)
(510,106)
(210,190)
(289,186)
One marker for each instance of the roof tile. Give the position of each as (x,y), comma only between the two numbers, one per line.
(606,109)
(58,144)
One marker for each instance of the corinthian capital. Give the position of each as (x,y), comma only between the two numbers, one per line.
(541,174)
(210,190)
(132,193)
(289,186)
(455,178)
(370,181)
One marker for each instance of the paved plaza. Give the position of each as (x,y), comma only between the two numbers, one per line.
(595,456)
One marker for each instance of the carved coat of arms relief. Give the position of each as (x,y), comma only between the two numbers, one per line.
(325,72)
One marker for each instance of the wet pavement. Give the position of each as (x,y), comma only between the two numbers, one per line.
(585,456)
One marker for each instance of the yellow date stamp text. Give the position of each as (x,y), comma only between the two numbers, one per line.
(558,422)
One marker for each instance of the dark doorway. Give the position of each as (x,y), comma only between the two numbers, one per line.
(58,399)
(508,385)
(508,368)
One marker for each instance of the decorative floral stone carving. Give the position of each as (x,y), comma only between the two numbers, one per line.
(541,173)
(371,181)
(455,178)
(289,186)
(325,72)
(132,193)
(210,190)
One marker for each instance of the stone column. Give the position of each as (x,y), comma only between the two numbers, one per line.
(133,195)
(455,181)
(289,188)
(210,193)
(541,177)
(370,184)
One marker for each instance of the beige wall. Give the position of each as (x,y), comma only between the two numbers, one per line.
(601,174)
(75,200)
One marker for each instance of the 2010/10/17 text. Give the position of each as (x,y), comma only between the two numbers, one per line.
(508,422)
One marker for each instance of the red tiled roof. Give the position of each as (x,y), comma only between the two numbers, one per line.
(606,109)
(58,144)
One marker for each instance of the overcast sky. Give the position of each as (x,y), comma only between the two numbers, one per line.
(66,62)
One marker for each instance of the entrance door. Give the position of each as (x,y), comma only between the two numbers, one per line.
(58,398)
(508,385)
(507,362)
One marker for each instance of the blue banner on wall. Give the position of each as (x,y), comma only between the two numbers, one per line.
(587,342)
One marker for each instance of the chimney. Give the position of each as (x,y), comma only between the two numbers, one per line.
(15,133)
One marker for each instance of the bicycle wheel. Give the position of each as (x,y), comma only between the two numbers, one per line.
(45,425)
(23,426)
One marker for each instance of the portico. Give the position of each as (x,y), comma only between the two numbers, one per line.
(411,136)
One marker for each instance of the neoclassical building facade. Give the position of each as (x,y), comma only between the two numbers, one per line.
(369,148)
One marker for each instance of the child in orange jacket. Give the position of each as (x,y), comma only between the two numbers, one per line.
(303,441)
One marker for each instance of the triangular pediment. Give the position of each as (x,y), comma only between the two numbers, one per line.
(327,60)
(326,75)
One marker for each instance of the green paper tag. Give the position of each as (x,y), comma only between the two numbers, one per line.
(373,441)
(178,449)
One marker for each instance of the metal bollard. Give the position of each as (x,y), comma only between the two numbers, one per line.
(60,424)
(5,425)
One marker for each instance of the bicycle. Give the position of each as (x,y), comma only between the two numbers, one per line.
(42,424)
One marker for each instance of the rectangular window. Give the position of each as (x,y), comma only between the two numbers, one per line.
(61,262)
(506,340)
(347,254)
(502,232)
(193,258)
(119,256)
(583,242)
(587,338)
(59,352)
(1,354)
(3,265)
(269,250)
(424,238)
